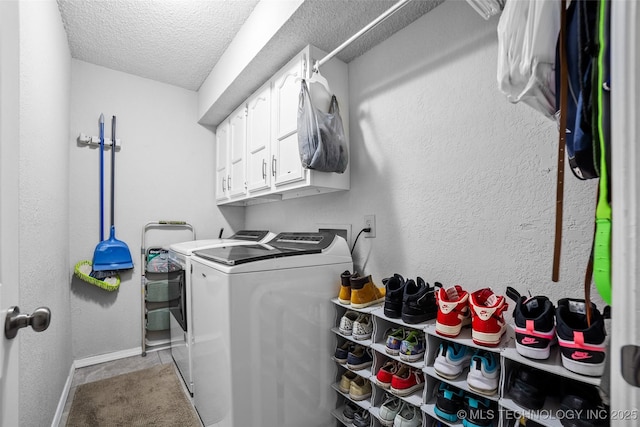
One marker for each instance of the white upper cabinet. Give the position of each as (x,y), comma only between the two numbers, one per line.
(262,140)
(237,152)
(222,143)
(259,140)
(286,89)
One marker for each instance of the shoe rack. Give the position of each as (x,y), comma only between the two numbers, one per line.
(507,411)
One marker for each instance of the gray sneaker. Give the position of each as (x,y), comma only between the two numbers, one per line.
(350,410)
(362,419)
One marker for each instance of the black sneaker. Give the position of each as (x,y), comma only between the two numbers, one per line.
(582,347)
(419,302)
(393,296)
(449,401)
(480,412)
(583,407)
(535,329)
(527,387)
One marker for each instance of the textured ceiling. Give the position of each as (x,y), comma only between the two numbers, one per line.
(179,41)
(171,41)
(325,24)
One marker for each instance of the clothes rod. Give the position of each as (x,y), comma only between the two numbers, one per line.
(372,24)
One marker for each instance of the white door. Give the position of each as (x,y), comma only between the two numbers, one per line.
(285,155)
(258,139)
(9,161)
(625,241)
(237,152)
(222,135)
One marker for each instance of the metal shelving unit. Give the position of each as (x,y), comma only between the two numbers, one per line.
(161,286)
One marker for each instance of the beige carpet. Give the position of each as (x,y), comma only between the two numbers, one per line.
(150,397)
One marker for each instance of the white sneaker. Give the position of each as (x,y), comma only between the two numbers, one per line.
(346,322)
(362,327)
(484,373)
(409,416)
(451,360)
(389,410)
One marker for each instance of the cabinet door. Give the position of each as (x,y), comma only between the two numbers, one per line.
(237,147)
(222,142)
(258,139)
(286,164)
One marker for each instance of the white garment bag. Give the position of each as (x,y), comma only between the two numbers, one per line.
(527,35)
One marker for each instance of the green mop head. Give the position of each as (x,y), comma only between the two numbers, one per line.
(83,270)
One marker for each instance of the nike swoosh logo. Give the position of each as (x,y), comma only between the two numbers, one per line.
(529,341)
(580,355)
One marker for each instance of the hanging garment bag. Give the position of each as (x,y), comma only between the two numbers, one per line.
(321,136)
(527,35)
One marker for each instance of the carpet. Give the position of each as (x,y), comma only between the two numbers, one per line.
(149,397)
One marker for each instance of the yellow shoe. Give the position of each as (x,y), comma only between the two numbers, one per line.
(345,381)
(345,288)
(364,293)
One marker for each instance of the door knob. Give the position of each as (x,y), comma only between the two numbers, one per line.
(39,321)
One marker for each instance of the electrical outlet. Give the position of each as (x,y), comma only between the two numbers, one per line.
(370,222)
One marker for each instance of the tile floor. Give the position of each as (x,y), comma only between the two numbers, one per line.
(110,369)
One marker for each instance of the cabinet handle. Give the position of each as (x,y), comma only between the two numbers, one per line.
(224,184)
(273,166)
(228,182)
(264,169)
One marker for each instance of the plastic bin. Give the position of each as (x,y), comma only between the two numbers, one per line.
(163,290)
(158,319)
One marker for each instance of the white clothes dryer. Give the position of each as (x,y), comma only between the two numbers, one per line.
(180,318)
(262,318)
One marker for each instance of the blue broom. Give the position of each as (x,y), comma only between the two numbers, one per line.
(108,279)
(112,254)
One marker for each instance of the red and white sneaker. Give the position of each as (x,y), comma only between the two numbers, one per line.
(406,380)
(453,311)
(487,320)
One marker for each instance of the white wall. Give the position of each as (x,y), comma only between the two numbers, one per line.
(462,183)
(164,171)
(45,70)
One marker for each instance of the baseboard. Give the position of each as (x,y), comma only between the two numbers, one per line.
(101,358)
(63,397)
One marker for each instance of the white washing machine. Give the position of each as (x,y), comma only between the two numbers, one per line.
(180,319)
(262,318)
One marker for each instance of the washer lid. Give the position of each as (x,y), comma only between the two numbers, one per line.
(234,255)
(251,235)
(187,248)
(283,245)
(241,237)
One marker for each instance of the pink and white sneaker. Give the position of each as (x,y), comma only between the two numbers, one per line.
(534,324)
(453,311)
(582,346)
(487,320)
